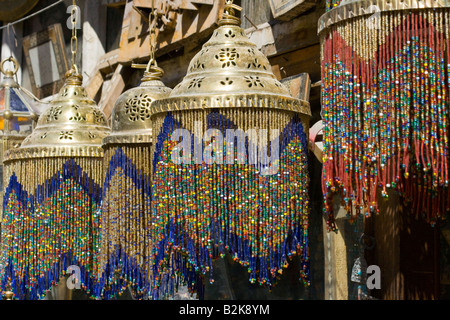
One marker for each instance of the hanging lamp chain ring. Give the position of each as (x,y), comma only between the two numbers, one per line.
(152,66)
(8,72)
(152,71)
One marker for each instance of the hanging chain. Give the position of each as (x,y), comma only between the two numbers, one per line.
(153,30)
(74,40)
(153,37)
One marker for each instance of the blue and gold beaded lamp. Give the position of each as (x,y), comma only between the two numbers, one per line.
(53,196)
(216,188)
(385,93)
(125,260)
(52,200)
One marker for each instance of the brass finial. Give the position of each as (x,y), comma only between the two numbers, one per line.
(154,73)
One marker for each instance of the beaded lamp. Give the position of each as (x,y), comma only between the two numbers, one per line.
(385,92)
(53,195)
(214,194)
(126,246)
(52,200)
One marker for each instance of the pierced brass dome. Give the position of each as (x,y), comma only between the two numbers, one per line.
(131,113)
(230,71)
(72,125)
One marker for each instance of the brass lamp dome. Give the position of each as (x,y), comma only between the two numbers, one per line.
(72,125)
(131,113)
(230,71)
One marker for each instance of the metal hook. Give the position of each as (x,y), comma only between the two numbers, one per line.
(9,72)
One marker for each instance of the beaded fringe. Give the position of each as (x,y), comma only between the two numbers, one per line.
(126,204)
(50,222)
(126,245)
(386,112)
(202,211)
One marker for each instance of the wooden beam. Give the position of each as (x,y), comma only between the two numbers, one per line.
(106,65)
(274,39)
(305,60)
(336,270)
(113,90)
(193,4)
(288,9)
(94,85)
(108,62)
(189,26)
(316,146)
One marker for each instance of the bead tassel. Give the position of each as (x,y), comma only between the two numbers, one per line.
(385,109)
(262,221)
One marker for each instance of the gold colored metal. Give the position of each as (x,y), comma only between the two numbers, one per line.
(350,9)
(153,36)
(24,95)
(9,73)
(9,295)
(230,72)
(73,39)
(131,114)
(229,16)
(72,125)
(15,9)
